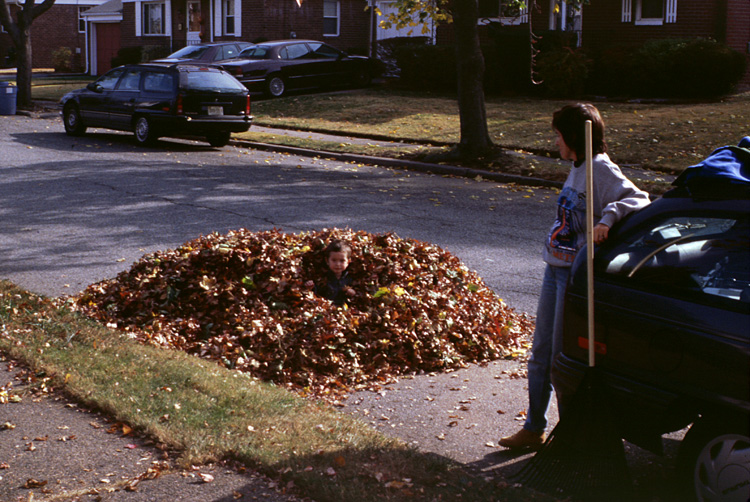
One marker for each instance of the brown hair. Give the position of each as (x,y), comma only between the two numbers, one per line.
(570,121)
(338,246)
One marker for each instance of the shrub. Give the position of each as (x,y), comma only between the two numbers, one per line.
(427,67)
(61,59)
(151,52)
(127,55)
(686,68)
(563,72)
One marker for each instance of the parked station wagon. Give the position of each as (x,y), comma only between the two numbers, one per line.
(154,100)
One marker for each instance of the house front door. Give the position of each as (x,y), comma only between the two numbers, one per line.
(194,22)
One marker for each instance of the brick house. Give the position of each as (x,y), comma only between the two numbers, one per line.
(604,24)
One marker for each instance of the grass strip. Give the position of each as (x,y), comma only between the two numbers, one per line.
(209,413)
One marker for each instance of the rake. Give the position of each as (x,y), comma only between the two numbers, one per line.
(584,455)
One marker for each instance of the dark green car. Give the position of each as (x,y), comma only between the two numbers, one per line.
(154,100)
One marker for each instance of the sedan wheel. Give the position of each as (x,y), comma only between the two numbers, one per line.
(276,86)
(715,458)
(74,126)
(144,133)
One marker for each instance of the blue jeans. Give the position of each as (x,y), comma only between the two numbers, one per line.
(546,345)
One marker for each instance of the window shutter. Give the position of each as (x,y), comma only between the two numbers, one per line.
(138,13)
(671,14)
(626,11)
(238,18)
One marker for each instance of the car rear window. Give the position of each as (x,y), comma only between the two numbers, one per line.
(212,81)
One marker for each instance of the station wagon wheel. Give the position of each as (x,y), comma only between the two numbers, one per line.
(218,139)
(275,86)
(714,460)
(74,126)
(144,132)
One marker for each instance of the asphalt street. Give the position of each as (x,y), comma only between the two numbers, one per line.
(78,210)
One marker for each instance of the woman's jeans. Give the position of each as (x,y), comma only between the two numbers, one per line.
(546,345)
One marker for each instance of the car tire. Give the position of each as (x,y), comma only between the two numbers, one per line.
(275,86)
(144,131)
(218,139)
(362,78)
(74,125)
(714,460)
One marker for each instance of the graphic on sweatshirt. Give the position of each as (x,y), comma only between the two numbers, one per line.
(569,225)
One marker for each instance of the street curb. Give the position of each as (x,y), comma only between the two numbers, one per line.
(424,167)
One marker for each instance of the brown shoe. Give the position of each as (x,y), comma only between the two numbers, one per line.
(523,439)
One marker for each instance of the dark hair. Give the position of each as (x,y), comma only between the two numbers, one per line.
(570,120)
(337,246)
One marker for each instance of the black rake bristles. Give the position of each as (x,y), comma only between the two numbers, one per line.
(584,455)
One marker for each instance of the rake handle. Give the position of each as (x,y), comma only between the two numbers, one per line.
(590,239)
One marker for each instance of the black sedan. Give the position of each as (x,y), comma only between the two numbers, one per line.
(157,99)
(206,53)
(672,316)
(278,66)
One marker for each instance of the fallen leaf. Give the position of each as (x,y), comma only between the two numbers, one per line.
(33,483)
(206,478)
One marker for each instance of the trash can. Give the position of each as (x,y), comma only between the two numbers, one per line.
(8,98)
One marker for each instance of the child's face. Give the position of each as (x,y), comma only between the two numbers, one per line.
(337,262)
(566,153)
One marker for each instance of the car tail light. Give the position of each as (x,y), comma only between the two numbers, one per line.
(599,347)
(247,106)
(237,71)
(178,105)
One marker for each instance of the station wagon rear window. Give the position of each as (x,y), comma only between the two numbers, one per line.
(212,81)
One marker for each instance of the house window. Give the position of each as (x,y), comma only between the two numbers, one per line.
(331,10)
(154,19)
(507,12)
(229,17)
(649,12)
(81,19)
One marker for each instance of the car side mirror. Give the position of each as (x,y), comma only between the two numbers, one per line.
(94,87)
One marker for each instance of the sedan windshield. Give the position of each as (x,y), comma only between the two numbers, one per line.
(189,52)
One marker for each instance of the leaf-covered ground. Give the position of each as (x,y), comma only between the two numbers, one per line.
(240,298)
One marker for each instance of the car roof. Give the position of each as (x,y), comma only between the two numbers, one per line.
(289,41)
(186,66)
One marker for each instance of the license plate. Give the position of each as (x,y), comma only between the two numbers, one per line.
(216,110)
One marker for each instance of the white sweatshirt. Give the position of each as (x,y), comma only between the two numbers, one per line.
(615,196)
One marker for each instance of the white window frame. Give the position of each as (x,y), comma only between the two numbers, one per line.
(139,5)
(225,7)
(337,17)
(669,13)
(81,19)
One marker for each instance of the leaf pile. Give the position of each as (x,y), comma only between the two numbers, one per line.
(240,298)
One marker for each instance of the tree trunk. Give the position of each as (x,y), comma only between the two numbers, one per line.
(475,138)
(23,68)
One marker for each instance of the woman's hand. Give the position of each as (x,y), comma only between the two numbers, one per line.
(601,231)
